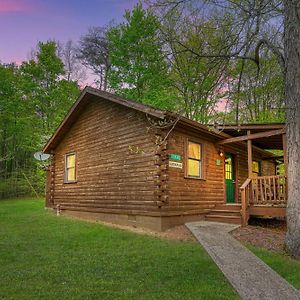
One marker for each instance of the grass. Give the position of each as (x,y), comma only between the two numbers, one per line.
(284,265)
(47,257)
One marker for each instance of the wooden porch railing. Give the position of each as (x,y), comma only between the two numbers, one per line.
(262,191)
(269,190)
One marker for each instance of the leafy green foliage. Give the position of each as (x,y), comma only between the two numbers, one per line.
(260,96)
(33,101)
(139,69)
(54,258)
(197,80)
(163,62)
(42,84)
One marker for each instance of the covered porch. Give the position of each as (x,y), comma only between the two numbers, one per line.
(264,196)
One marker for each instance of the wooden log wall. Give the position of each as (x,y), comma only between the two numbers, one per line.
(121,169)
(115,163)
(188,195)
(192,196)
(161,162)
(52,183)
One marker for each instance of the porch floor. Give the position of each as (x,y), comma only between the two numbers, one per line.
(231,212)
(251,277)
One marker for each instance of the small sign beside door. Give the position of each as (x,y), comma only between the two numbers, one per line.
(175,164)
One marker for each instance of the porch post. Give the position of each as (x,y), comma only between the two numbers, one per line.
(249,144)
(285,161)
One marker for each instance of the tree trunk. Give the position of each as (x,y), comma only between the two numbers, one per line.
(292,98)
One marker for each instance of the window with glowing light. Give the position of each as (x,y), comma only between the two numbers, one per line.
(70,167)
(194,161)
(256,169)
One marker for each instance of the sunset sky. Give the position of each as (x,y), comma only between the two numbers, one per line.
(25,22)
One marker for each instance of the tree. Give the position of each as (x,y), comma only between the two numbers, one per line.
(9,117)
(248,25)
(17,136)
(254,20)
(94,53)
(259,94)
(33,101)
(139,69)
(198,81)
(43,86)
(292,100)
(72,67)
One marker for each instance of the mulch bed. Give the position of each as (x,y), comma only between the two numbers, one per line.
(263,233)
(180,233)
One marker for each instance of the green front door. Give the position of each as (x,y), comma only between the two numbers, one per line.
(229,178)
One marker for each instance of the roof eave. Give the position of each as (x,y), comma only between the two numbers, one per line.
(47,148)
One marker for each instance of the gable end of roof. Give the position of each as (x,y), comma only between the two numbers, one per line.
(83,98)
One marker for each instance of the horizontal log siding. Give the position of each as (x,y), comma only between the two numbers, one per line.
(189,196)
(110,177)
(268,168)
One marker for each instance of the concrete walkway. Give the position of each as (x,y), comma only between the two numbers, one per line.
(250,276)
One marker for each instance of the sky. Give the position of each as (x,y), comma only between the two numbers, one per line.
(23,23)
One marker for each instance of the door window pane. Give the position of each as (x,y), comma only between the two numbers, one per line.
(228,168)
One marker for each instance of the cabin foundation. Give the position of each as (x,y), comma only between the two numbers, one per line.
(155,223)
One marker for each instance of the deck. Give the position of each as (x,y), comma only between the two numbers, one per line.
(263,196)
(260,195)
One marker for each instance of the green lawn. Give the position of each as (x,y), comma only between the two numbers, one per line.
(47,257)
(287,267)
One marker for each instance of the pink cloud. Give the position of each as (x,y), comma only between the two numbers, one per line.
(8,6)
(18,62)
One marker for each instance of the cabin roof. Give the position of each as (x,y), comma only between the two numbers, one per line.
(271,142)
(88,93)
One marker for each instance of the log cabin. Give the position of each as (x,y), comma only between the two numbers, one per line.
(121,161)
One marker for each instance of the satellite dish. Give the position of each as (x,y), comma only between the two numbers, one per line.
(41,156)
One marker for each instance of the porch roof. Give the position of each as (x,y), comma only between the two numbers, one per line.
(262,141)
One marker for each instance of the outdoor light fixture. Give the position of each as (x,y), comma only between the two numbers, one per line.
(221,153)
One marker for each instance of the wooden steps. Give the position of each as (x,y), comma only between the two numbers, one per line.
(225,213)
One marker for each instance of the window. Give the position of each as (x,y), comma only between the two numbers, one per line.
(70,167)
(228,167)
(194,163)
(255,168)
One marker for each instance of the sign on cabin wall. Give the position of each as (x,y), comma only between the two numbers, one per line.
(174,156)
(175,164)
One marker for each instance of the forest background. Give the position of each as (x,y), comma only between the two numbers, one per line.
(159,54)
